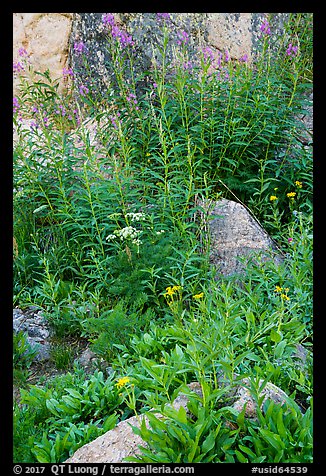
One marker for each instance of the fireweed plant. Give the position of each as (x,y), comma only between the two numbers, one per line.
(110,242)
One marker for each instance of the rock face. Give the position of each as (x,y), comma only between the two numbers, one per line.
(45,36)
(121,442)
(49,38)
(235,234)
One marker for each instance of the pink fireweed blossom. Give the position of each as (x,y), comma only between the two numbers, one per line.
(18,67)
(291,50)
(108,19)
(227,56)
(79,47)
(16,105)
(265,28)
(22,52)
(83,90)
(208,53)
(163,16)
(123,38)
(183,38)
(244,58)
(67,72)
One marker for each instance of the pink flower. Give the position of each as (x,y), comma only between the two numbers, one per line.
(79,47)
(265,28)
(22,52)
(83,90)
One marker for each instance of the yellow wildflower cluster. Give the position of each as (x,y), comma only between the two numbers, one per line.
(122,382)
(279,289)
(289,194)
(171,290)
(198,296)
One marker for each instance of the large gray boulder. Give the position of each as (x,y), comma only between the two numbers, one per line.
(236,237)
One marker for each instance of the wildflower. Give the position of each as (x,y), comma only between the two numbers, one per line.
(121,36)
(208,53)
(154,85)
(284,296)
(183,38)
(187,65)
(33,125)
(176,288)
(122,382)
(79,47)
(272,198)
(265,28)
(298,184)
(291,50)
(83,90)
(169,291)
(290,240)
(278,289)
(291,194)
(198,296)
(108,19)
(67,72)
(136,216)
(16,105)
(111,237)
(227,56)
(22,52)
(244,58)
(18,67)
(163,16)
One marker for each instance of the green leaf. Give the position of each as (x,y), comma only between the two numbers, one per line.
(241,457)
(272,439)
(208,443)
(276,336)
(110,422)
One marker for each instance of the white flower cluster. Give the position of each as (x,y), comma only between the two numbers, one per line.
(136,216)
(129,232)
(160,232)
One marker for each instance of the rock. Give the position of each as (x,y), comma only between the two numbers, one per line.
(45,37)
(245,397)
(49,38)
(112,447)
(34,325)
(120,442)
(234,235)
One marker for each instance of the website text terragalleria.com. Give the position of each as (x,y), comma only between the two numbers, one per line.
(136,470)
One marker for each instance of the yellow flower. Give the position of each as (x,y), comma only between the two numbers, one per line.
(298,184)
(278,289)
(291,194)
(122,382)
(176,288)
(272,198)
(284,296)
(148,154)
(169,291)
(198,296)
